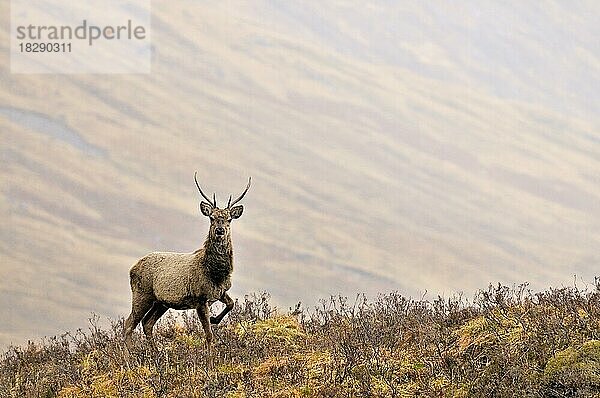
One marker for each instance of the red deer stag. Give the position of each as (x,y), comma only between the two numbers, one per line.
(163,280)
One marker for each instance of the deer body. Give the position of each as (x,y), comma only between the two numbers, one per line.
(180,280)
(163,280)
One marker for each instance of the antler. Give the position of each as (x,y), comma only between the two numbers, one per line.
(230,203)
(213,203)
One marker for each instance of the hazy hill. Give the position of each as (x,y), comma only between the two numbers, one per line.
(391,147)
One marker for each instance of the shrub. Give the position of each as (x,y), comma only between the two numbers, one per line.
(506,342)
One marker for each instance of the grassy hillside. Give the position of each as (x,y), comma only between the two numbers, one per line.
(391,145)
(504,343)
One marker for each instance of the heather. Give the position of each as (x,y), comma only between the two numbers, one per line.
(504,342)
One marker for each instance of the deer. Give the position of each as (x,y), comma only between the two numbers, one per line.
(181,281)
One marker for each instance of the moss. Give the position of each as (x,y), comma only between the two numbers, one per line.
(316,363)
(441,386)
(487,331)
(271,367)
(574,371)
(405,365)
(239,392)
(231,369)
(96,382)
(284,329)
(191,340)
(582,313)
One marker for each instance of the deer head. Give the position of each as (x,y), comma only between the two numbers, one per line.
(220,219)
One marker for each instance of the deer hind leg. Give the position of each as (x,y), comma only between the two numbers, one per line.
(228,301)
(140,305)
(152,317)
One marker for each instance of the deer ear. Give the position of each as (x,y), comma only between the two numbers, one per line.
(236,211)
(205,208)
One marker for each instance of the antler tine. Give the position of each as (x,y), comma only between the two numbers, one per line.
(243,193)
(229,202)
(202,193)
(214,199)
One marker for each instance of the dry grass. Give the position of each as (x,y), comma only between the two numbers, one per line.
(504,343)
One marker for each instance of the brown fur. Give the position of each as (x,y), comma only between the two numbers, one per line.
(163,280)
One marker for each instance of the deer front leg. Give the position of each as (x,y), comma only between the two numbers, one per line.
(203,314)
(228,301)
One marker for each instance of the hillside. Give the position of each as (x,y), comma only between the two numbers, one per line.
(504,343)
(391,145)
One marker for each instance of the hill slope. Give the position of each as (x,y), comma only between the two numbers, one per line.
(506,343)
(391,146)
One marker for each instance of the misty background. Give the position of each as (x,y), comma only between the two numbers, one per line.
(415,147)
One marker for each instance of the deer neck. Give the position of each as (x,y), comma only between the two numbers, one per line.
(218,258)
